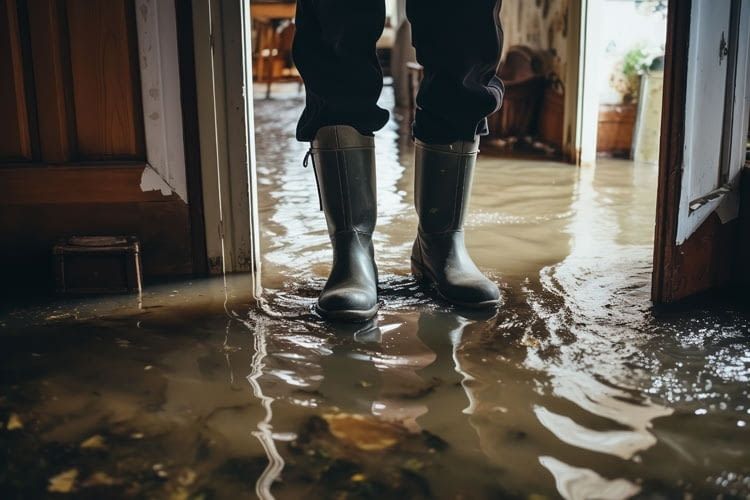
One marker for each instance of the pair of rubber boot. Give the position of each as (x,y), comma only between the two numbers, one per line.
(344,164)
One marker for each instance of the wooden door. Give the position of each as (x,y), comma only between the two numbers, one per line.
(705,121)
(72,147)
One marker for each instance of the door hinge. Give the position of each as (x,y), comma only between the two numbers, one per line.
(723,48)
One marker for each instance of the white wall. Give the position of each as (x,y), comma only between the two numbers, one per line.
(624,27)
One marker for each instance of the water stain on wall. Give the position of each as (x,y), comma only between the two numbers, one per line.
(541,25)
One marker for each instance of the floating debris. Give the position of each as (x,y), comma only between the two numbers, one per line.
(187,477)
(95,442)
(100,479)
(14,422)
(160,471)
(64,482)
(179,494)
(61,316)
(366,433)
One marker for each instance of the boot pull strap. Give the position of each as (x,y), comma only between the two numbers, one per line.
(309,155)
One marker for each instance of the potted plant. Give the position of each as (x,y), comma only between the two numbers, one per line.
(617,121)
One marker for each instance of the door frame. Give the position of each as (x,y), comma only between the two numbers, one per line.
(191,134)
(671,147)
(170,118)
(223,68)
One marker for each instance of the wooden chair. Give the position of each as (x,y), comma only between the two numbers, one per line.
(274,26)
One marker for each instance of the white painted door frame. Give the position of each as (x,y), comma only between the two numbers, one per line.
(582,114)
(223,53)
(156,24)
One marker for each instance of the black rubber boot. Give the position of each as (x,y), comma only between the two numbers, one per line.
(344,163)
(443,175)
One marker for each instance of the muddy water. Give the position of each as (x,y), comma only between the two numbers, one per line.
(574,388)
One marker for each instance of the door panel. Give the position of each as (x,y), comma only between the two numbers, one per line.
(15,139)
(704,118)
(49,48)
(705,112)
(105,87)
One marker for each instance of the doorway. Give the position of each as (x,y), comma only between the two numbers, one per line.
(668,250)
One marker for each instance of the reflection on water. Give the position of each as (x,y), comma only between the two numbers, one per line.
(573,389)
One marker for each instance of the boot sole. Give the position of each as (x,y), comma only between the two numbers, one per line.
(425,278)
(348,315)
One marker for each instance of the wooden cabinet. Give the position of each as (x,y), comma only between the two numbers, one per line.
(616,128)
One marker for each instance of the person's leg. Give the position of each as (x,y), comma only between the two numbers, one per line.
(334,51)
(459,45)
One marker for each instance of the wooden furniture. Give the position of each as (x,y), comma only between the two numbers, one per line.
(616,128)
(551,115)
(524,91)
(96,265)
(274,33)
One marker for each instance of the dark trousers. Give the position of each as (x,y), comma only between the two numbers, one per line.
(457,42)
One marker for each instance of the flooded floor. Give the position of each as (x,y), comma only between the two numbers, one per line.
(575,388)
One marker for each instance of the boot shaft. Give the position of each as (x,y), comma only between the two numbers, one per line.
(344,163)
(443,178)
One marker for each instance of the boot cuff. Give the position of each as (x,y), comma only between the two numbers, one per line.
(458,147)
(341,137)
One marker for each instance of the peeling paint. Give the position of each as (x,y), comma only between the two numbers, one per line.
(162,107)
(152,181)
(542,25)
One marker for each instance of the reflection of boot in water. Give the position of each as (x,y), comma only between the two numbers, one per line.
(349,380)
(401,354)
(442,332)
(344,164)
(443,175)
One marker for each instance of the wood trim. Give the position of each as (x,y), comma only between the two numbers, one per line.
(191,135)
(65,184)
(744,223)
(671,148)
(29,232)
